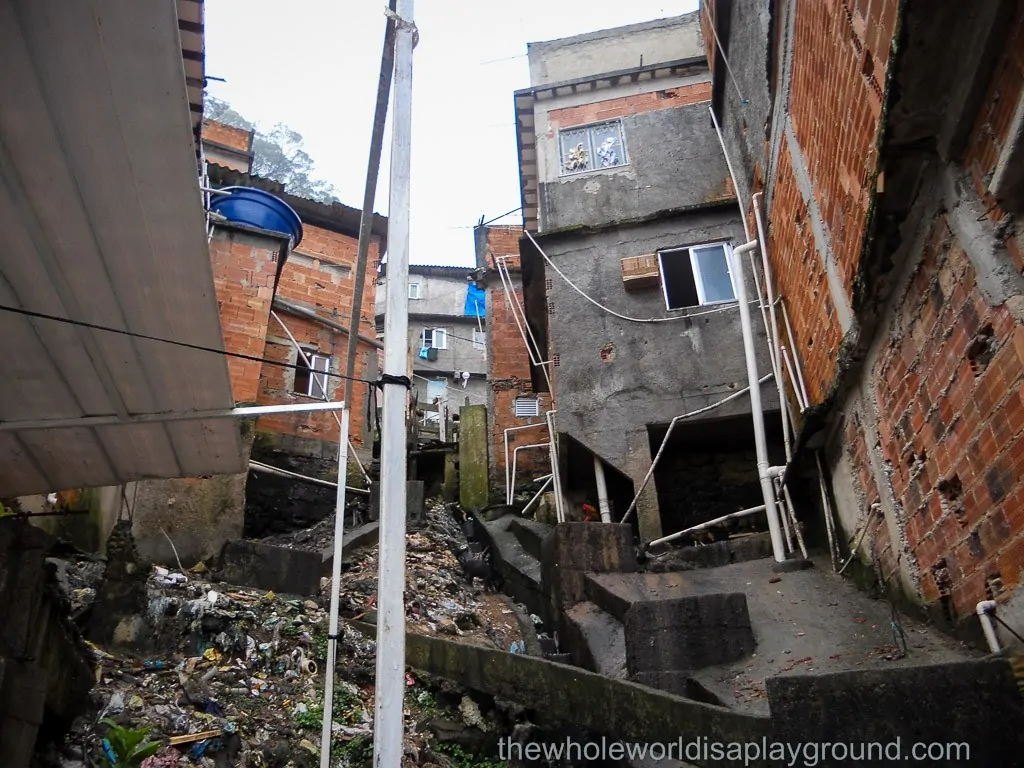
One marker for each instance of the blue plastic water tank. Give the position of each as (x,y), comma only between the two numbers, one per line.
(257,208)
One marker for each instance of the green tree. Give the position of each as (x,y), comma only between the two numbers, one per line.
(278,154)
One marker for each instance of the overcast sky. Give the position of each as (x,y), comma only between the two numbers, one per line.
(313,64)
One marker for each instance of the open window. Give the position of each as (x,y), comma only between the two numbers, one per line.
(311,380)
(435,338)
(696,275)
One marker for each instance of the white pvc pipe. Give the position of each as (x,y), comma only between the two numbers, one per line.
(796,360)
(792,519)
(389,720)
(602,490)
(786,532)
(508,477)
(773,338)
(256,466)
(305,359)
(537,495)
(332,632)
(706,525)
(757,414)
(826,508)
(800,396)
(986,607)
(556,472)
(515,458)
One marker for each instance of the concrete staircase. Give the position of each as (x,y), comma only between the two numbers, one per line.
(515,546)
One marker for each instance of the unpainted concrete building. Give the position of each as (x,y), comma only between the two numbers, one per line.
(886,140)
(625,185)
(447,337)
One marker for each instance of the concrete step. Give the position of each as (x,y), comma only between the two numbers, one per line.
(530,534)
(519,569)
(596,640)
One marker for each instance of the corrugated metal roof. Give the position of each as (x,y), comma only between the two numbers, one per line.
(103,222)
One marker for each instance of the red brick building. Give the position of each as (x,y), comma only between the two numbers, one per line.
(511,376)
(313,298)
(887,141)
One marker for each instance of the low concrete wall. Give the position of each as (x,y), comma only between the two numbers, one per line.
(973,702)
(571,696)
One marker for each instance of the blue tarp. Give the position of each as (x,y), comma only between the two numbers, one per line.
(476,301)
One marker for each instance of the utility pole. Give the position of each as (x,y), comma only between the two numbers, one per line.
(388,731)
(387,66)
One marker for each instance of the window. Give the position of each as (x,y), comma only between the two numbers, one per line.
(697,275)
(479,340)
(591,147)
(527,407)
(414,290)
(311,380)
(435,338)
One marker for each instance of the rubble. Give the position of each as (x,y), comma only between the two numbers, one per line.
(234,676)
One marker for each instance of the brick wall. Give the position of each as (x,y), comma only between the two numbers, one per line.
(630,105)
(228,136)
(947,372)
(953,429)
(801,280)
(319,275)
(509,366)
(244,270)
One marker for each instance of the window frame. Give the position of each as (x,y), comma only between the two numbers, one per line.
(698,281)
(589,128)
(414,284)
(317,376)
(480,341)
(433,337)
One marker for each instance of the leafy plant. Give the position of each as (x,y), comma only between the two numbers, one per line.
(130,747)
(311,719)
(355,753)
(465,759)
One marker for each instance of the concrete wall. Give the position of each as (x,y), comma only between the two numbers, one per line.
(674,161)
(616,377)
(199,514)
(611,50)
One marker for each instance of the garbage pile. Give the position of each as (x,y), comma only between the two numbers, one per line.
(235,676)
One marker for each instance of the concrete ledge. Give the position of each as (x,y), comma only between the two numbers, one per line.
(520,571)
(359,537)
(976,702)
(530,534)
(263,566)
(755,547)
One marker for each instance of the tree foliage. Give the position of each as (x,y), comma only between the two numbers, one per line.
(278,154)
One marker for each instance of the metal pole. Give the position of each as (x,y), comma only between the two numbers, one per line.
(332,632)
(390,669)
(706,525)
(387,67)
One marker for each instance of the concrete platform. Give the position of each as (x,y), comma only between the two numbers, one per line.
(806,623)
(600,642)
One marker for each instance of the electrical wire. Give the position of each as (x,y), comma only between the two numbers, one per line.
(172,342)
(612,312)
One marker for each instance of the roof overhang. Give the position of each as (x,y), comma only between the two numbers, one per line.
(102,219)
(526,130)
